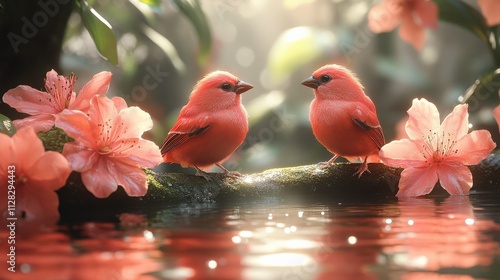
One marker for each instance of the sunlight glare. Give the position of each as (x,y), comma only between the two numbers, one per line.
(212,264)
(278,260)
(148,235)
(246,233)
(469,221)
(352,240)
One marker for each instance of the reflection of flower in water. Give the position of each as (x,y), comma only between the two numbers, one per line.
(29,177)
(107,255)
(430,235)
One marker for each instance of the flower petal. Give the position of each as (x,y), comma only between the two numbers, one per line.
(456,124)
(456,180)
(417,181)
(489,8)
(120,103)
(51,78)
(472,148)
(384,16)
(412,33)
(36,208)
(428,13)
(26,99)
(50,171)
(80,158)
(137,152)
(42,122)
(102,110)
(7,158)
(100,178)
(423,119)
(131,123)
(131,178)
(76,125)
(60,89)
(98,85)
(403,153)
(28,148)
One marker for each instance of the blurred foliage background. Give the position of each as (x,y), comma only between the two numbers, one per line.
(163,47)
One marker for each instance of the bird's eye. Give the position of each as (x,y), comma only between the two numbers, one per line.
(325,79)
(227,87)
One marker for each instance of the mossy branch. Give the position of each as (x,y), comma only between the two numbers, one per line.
(307,182)
(282,184)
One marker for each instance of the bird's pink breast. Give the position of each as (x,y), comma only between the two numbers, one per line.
(334,128)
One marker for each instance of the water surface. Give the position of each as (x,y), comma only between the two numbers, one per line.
(378,238)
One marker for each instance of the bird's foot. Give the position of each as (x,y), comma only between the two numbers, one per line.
(231,174)
(327,164)
(324,165)
(203,174)
(362,168)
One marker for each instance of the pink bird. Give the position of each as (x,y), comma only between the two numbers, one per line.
(342,116)
(211,126)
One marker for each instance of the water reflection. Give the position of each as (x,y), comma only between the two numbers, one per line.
(435,238)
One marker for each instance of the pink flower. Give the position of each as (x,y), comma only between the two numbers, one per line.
(59,95)
(490,9)
(108,148)
(29,176)
(414,16)
(436,152)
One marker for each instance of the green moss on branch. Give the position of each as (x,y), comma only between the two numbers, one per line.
(283,184)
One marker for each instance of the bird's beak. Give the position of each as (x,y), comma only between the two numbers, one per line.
(311,82)
(241,87)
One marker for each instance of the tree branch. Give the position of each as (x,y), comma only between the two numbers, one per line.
(282,184)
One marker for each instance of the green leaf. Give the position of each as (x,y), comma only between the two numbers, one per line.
(483,88)
(192,10)
(166,46)
(465,16)
(156,4)
(100,31)
(6,126)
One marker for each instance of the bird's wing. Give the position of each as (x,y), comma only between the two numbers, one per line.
(184,129)
(369,123)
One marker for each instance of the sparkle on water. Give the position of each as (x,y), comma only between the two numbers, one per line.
(387,238)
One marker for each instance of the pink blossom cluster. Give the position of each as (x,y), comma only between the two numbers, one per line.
(414,17)
(108,149)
